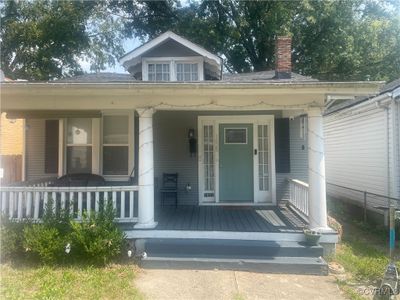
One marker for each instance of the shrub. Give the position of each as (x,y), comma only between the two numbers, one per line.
(11,239)
(45,243)
(97,240)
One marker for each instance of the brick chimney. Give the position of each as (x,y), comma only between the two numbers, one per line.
(283,57)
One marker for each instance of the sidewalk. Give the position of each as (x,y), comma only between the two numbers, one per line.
(216,284)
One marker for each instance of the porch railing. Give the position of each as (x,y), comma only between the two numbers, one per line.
(42,182)
(29,203)
(298,198)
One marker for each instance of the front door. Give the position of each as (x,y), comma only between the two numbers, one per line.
(236,163)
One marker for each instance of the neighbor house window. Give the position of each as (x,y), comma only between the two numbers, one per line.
(187,72)
(79,145)
(158,72)
(303,127)
(115,145)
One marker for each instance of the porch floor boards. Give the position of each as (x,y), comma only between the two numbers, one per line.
(228,218)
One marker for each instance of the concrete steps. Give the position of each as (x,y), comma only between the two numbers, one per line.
(260,256)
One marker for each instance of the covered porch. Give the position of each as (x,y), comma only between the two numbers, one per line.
(214,111)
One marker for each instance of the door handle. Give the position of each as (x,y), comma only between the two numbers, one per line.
(255,151)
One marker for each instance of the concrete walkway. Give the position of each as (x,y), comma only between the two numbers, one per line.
(216,284)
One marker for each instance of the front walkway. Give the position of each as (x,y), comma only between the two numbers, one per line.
(233,285)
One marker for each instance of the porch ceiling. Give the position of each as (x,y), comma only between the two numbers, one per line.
(174,96)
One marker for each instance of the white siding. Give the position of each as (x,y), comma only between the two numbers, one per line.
(35,149)
(357,149)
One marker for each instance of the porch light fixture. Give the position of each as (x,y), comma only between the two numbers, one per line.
(192,142)
(188,187)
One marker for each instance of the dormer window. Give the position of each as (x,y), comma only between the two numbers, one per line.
(159,72)
(170,57)
(187,72)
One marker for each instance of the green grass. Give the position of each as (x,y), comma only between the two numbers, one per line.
(363,261)
(113,282)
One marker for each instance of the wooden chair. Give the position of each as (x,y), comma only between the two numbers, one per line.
(169,187)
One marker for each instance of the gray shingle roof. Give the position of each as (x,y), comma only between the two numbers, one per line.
(99,78)
(264,76)
(349,103)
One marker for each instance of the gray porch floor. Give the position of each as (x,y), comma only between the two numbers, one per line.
(228,218)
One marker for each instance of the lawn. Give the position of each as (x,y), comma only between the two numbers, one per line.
(112,282)
(363,252)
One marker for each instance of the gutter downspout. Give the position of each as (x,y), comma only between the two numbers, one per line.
(384,101)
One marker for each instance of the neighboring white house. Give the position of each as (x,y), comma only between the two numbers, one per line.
(250,130)
(363,149)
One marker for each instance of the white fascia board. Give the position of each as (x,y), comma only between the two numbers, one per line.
(163,37)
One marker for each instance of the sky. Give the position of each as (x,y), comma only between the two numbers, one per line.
(129,45)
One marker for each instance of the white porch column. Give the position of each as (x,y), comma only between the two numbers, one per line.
(316,171)
(146,170)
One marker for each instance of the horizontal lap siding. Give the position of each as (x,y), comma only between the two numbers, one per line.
(356,152)
(298,161)
(35,150)
(171,152)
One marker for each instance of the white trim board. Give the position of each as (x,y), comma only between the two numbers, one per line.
(215,121)
(228,235)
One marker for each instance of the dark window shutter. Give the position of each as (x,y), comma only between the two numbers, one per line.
(51,147)
(282,146)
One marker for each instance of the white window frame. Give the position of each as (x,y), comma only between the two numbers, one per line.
(173,61)
(94,144)
(130,145)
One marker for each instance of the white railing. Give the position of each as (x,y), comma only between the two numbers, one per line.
(30,202)
(42,182)
(298,198)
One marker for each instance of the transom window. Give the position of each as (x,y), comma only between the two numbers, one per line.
(158,72)
(187,72)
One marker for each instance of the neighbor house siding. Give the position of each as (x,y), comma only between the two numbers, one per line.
(171,152)
(35,150)
(360,152)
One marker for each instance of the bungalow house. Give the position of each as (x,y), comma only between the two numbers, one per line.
(362,146)
(199,165)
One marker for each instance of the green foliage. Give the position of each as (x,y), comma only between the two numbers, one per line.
(46,39)
(45,243)
(96,239)
(68,282)
(362,260)
(332,39)
(11,239)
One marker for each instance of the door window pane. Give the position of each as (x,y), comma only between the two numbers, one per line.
(263,164)
(235,135)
